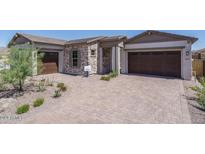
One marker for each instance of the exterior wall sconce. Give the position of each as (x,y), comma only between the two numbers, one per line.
(187,53)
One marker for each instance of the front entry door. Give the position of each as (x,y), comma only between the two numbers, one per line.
(106,60)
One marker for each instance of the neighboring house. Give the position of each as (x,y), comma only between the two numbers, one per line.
(3,58)
(151,52)
(198,62)
(199,54)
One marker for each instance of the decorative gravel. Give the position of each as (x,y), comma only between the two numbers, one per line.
(196,112)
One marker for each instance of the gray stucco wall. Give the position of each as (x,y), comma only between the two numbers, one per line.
(186,63)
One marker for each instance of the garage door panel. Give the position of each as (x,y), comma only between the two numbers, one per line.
(155,63)
(50,63)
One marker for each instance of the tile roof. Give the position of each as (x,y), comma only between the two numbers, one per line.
(113,38)
(42,39)
(182,37)
(84,40)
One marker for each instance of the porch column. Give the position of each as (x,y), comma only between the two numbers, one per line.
(101,60)
(186,62)
(113,58)
(118,59)
(61,61)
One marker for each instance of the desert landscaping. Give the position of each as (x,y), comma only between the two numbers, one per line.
(45,91)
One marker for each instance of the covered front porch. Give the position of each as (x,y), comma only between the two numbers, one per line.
(109,57)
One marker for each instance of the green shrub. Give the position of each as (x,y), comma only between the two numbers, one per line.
(41,86)
(62,86)
(48,83)
(113,74)
(200,93)
(202,81)
(59,85)
(40,67)
(201,101)
(2,86)
(105,78)
(22,109)
(38,102)
(57,93)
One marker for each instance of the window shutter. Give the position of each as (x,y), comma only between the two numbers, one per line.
(79,59)
(70,59)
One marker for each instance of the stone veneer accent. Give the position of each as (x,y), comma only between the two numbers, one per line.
(85,58)
(93,60)
(83,49)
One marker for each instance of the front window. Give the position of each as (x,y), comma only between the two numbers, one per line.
(75,58)
(92,52)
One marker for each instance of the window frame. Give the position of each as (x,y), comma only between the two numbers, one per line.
(76,58)
(93,51)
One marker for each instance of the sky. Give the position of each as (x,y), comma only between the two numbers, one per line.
(6,35)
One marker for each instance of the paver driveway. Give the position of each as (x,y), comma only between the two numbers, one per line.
(125,99)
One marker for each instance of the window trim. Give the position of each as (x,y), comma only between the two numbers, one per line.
(91,51)
(76,58)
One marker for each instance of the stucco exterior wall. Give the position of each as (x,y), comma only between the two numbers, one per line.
(61,61)
(93,59)
(116,57)
(100,61)
(186,63)
(83,49)
(122,61)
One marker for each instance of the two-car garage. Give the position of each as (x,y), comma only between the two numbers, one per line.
(158,53)
(163,63)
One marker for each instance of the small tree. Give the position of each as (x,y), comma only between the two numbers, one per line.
(21,64)
(40,63)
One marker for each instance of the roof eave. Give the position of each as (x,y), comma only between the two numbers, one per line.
(191,39)
(115,39)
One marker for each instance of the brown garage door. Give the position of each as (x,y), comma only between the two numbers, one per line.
(155,63)
(50,63)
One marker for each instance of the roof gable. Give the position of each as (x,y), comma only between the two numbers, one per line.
(94,39)
(156,36)
(23,38)
(84,40)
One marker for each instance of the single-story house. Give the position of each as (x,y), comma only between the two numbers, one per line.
(198,62)
(151,52)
